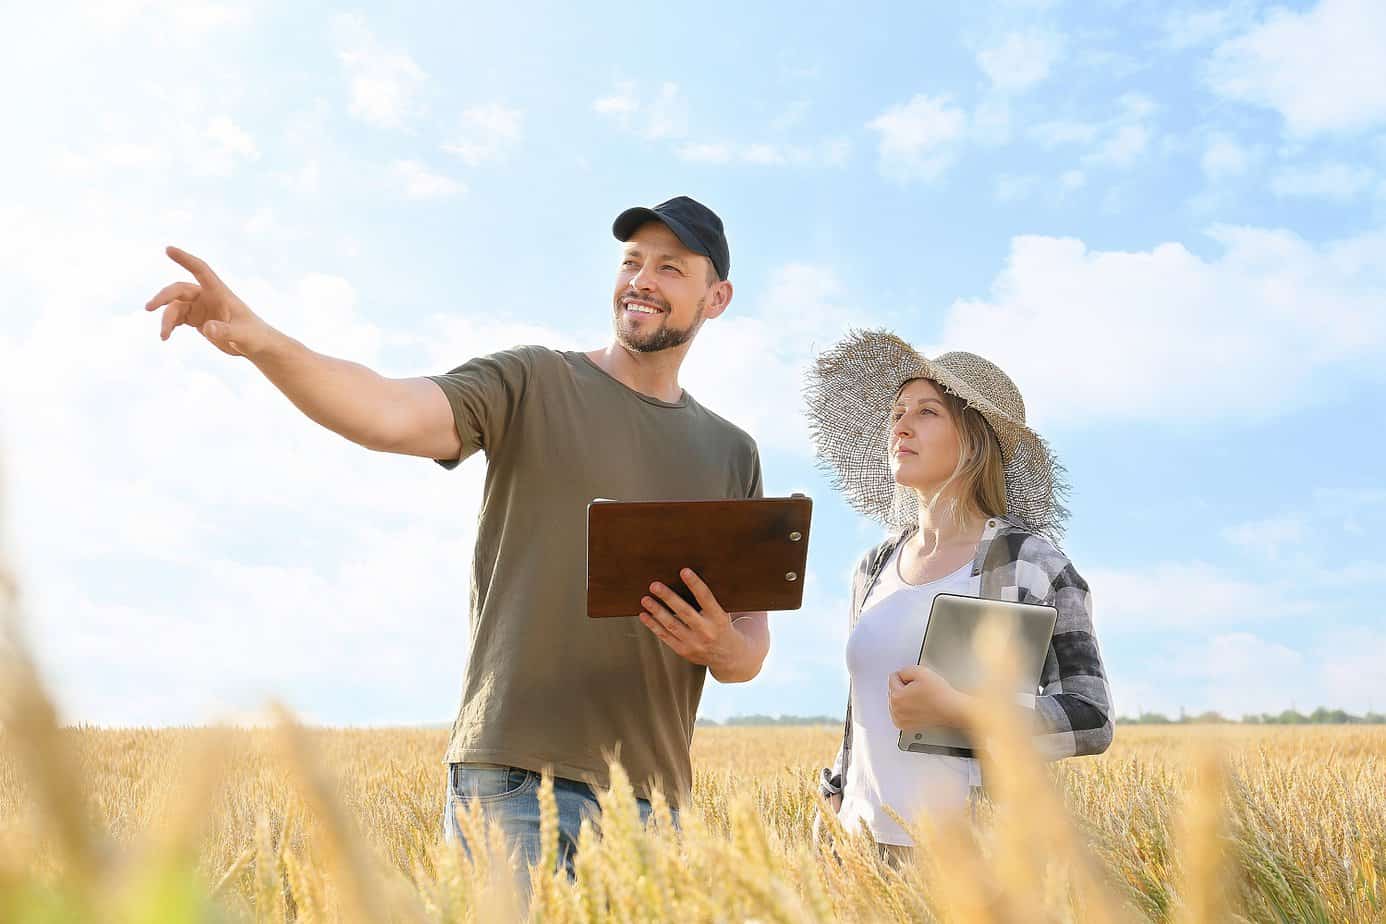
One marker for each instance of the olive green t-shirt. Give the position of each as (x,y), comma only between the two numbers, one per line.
(545,686)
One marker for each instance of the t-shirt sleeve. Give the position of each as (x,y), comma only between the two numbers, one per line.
(756,487)
(485,394)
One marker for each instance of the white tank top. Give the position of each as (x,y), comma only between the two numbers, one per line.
(885,639)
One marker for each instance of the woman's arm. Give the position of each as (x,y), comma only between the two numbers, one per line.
(1073,707)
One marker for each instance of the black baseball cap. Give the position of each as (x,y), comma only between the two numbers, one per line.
(692,222)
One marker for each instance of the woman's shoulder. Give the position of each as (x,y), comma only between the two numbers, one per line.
(1014,543)
(875,553)
(870,561)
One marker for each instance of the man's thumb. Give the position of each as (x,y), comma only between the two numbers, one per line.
(215,330)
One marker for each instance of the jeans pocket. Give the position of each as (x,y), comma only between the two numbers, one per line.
(486,782)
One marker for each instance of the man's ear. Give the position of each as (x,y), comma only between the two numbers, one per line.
(718,298)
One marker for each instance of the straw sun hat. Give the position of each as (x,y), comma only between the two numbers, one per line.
(851,391)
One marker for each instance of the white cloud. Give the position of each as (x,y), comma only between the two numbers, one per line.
(1224,157)
(667,114)
(765,350)
(830,153)
(1242,673)
(131,155)
(663,116)
(1065,131)
(183,19)
(488,134)
(991,120)
(792,115)
(1122,148)
(1127,136)
(189,144)
(227,144)
(919,139)
(621,105)
(1164,597)
(1153,335)
(1189,28)
(305,180)
(1323,69)
(1335,181)
(1267,536)
(421,183)
(385,84)
(1012,188)
(703,152)
(1116,142)
(1020,60)
(1350,664)
(214,496)
(264,225)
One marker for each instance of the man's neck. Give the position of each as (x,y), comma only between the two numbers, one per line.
(655,375)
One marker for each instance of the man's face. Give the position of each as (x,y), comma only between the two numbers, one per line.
(661,289)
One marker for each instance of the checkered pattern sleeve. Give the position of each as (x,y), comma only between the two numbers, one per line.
(1074,705)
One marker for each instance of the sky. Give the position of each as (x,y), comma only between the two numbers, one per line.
(1166,222)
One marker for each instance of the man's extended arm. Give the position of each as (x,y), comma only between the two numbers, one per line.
(408,416)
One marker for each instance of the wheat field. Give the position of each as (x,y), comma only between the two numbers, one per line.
(1203,823)
(284,823)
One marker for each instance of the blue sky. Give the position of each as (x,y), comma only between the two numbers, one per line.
(1167,222)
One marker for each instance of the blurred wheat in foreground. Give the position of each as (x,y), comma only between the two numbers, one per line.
(1210,823)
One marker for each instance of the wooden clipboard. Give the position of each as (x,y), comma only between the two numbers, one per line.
(751,553)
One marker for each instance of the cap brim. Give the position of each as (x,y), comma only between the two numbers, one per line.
(631,219)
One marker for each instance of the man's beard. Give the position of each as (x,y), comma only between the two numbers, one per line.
(664,337)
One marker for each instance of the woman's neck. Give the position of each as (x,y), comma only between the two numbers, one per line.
(939,529)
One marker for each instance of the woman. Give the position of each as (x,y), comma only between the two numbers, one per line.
(938,451)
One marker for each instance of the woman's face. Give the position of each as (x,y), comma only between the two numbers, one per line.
(924,444)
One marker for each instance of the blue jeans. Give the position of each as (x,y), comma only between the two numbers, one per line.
(509,797)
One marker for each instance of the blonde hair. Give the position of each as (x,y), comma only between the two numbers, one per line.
(978,481)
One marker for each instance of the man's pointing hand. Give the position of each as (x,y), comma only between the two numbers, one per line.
(209,306)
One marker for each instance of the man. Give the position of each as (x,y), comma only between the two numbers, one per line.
(546,687)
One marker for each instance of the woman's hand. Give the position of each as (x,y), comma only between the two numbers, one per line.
(835,801)
(920,698)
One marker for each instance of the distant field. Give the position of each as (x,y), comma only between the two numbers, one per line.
(346,827)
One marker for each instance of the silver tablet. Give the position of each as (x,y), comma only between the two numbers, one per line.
(948,649)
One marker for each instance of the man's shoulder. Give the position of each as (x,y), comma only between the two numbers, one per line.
(525,356)
(537,354)
(734,434)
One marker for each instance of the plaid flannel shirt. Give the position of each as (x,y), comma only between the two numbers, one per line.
(1073,707)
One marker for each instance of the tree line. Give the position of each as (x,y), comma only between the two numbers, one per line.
(1320,716)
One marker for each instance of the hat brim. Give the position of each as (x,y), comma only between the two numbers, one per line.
(629,221)
(849,394)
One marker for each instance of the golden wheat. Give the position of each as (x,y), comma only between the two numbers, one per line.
(1187,824)
(1281,824)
